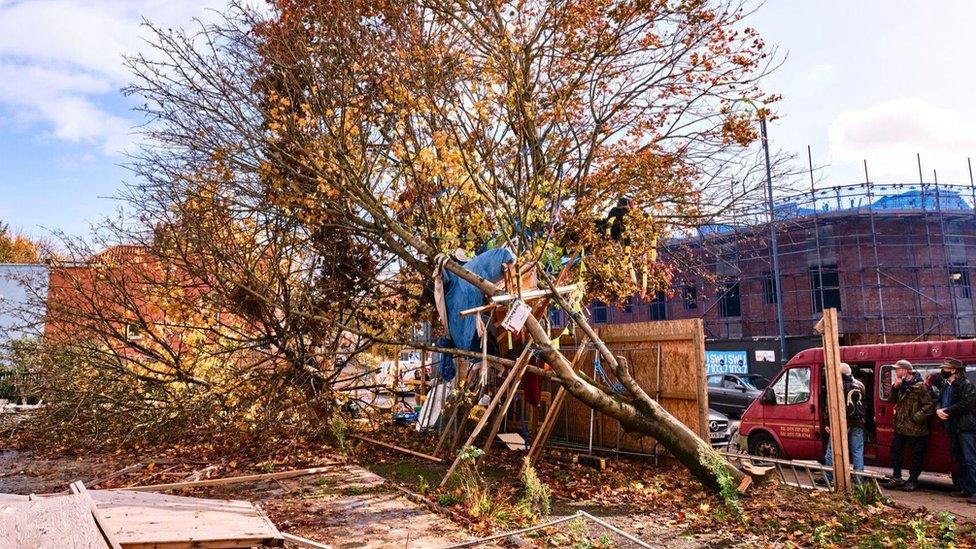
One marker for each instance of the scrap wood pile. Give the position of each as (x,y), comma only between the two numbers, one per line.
(469,400)
(142,518)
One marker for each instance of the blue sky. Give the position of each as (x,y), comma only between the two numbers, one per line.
(870,79)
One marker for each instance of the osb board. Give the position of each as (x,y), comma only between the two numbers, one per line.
(681,390)
(63,522)
(12,498)
(151,520)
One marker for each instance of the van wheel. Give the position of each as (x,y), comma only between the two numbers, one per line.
(763,445)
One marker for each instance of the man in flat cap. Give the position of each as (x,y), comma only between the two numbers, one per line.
(913,407)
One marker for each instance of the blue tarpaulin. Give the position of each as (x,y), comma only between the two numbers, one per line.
(460,295)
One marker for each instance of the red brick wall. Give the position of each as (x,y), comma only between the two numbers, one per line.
(911,252)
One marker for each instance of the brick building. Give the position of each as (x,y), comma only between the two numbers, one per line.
(896,260)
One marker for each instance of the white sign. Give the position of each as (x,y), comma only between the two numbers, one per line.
(518,313)
(765,356)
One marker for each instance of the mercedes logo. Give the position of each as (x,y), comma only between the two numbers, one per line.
(713,426)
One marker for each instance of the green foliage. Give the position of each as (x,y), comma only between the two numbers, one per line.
(867,493)
(422,485)
(947,528)
(339,431)
(536,500)
(472,485)
(918,528)
(447,500)
(728,488)
(821,535)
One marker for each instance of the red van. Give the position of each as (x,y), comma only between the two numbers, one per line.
(786,421)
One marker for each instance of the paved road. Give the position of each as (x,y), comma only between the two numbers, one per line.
(932,495)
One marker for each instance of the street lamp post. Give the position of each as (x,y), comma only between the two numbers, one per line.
(773,241)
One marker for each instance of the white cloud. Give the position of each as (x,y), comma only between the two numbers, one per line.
(61,62)
(889,134)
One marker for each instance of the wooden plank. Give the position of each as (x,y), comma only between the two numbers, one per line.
(398,448)
(532,294)
(305,542)
(667,360)
(836,405)
(698,363)
(143,520)
(513,441)
(476,310)
(13,498)
(675,330)
(229,480)
(52,522)
(513,389)
(648,338)
(78,487)
(520,365)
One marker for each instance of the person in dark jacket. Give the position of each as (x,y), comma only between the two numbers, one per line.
(959,412)
(913,407)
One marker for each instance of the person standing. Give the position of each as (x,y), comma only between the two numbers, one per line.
(959,412)
(913,407)
(856,412)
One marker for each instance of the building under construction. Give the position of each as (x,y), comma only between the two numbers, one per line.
(894,259)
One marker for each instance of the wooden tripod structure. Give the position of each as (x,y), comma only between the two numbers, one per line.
(507,390)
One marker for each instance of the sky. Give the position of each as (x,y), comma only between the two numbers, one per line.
(875,80)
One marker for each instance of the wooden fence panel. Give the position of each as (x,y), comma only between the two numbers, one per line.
(667,360)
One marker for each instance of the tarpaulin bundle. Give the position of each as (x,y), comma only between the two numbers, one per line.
(460,295)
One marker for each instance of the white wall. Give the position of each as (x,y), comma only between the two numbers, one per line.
(23,303)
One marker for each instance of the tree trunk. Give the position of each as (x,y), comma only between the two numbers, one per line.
(642,415)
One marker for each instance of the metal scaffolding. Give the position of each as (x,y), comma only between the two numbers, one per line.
(894,257)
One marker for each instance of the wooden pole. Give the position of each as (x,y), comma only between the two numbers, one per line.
(520,366)
(701,394)
(513,389)
(396,374)
(455,410)
(230,480)
(397,448)
(423,374)
(836,404)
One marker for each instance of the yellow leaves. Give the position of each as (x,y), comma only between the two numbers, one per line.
(17,248)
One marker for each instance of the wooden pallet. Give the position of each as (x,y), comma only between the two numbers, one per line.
(137,520)
(63,522)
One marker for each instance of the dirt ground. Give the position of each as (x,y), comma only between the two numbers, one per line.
(346,506)
(350,506)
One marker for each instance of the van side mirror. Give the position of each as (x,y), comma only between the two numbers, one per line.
(768,396)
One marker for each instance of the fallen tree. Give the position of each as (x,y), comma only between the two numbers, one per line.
(408,130)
